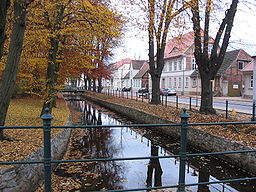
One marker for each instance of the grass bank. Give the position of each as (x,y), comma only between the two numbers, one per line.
(25,111)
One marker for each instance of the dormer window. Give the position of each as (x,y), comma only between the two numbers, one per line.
(240,65)
(175,49)
(210,46)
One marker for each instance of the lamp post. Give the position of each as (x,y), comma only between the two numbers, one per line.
(183,62)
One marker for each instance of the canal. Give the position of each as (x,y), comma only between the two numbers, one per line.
(135,142)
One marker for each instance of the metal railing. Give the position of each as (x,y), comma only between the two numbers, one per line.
(193,103)
(183,155)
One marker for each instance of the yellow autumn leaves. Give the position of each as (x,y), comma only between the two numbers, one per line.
(85,30)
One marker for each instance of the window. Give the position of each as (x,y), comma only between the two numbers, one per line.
(175,66)
(240,65)
(180,65)
(194,65)
(175,83)
(179,81)
(186,82)
(136,82)
(251,82)
(165,67)
(163,82)
(170,66)
(210,46)
(194,82)
(170,82)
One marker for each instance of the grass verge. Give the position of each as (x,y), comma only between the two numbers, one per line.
(26,111)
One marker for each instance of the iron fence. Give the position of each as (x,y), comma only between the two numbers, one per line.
(192,102)
(183,155)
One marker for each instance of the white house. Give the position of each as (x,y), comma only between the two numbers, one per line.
(128,80)
(180,65)
(122,74)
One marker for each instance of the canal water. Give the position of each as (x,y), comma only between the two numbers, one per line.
(134,142)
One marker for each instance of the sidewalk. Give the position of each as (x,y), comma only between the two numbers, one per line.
(233,99)
(221,98)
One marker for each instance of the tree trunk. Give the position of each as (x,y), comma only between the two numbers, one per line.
(100,84)
(85,82)
(89,83)
(204,176)
(154,166)
(4,5)
(206,95)
(52,71)
(7,85)
(94,85)
(155,89)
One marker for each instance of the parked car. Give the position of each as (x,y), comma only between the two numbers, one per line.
(161,91)
(168,91)
(143,92)
(126,89)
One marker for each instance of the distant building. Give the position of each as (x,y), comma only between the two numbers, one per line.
(248,79)
(122,74)
(229,79)
(181,71)
(180,64)
(141,79)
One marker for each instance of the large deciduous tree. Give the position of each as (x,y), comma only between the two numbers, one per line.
(7,81)
(4,6)
(209,64)
(65,37)
(161,14)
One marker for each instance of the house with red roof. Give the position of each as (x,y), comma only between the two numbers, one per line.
(141,79)
(229,79)
(248,79)
(180,65)
(180,70)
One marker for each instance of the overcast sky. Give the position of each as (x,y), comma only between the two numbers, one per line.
(135,43)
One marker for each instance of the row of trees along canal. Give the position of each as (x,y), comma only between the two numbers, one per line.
(49,41)
(68,38)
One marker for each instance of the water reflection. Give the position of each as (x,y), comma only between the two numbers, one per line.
(154,166)
(126,142)
(204,176)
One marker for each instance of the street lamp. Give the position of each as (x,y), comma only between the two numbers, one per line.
(197,78)
(183,61)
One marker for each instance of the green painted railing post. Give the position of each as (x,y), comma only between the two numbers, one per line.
(253,111)
(183,150)
(177,102)
(47,117)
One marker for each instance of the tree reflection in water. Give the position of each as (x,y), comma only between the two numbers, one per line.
(204,176)
(107,143)
(154,166)
(97,143)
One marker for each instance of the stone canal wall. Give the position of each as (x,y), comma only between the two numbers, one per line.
(27,177)
(196,137)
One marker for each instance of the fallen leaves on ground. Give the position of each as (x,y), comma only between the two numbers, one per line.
(66,175)
(26,111)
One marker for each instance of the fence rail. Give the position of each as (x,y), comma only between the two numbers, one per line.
(192,102)
(183,155)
